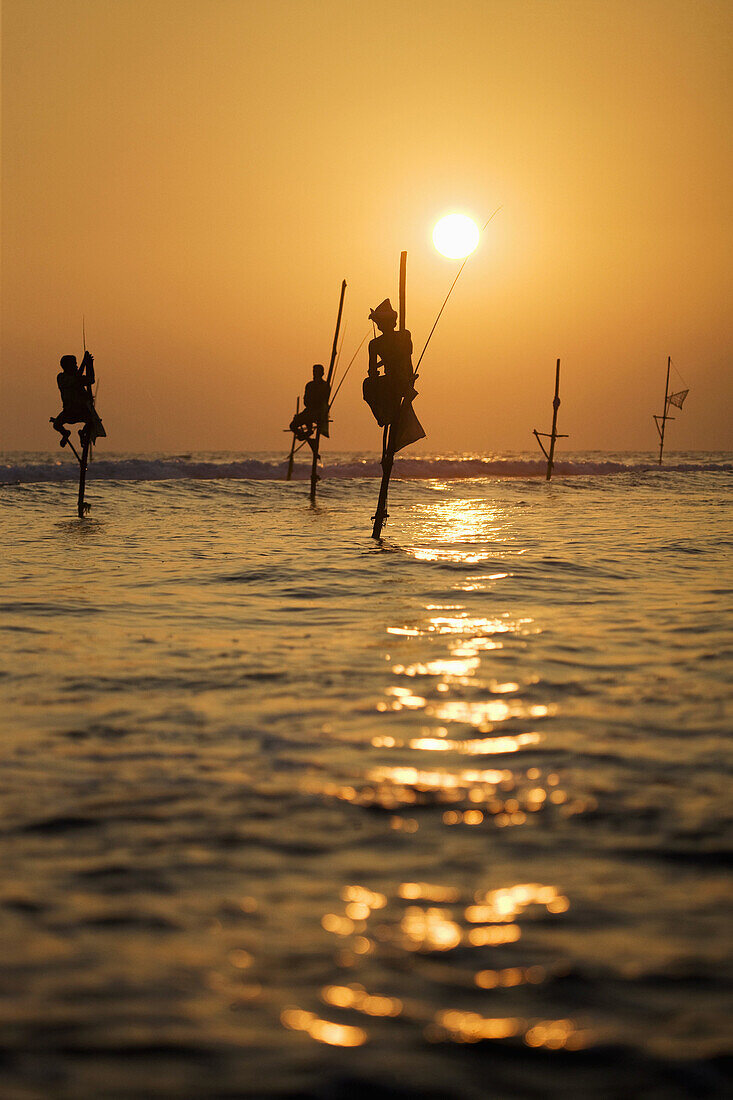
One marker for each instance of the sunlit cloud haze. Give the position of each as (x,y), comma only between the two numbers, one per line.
(196,177)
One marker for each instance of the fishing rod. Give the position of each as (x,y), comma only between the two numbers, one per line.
(440,312)
(343,376)
(84,342)
(315,442)
(289,474)
(341,348)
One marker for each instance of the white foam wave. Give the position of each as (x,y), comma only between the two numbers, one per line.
(34,470)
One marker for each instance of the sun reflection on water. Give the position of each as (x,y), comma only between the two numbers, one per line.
(497,797)
(420,920)
(485,746)
(466,557)
(324,1031)
(449,699)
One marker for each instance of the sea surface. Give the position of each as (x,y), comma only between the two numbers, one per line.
(288,812)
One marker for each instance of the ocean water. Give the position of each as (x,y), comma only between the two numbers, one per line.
(285,812)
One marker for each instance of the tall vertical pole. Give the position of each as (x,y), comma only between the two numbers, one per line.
(334,346)
(553,434)
(664,411)
(389,441)
(81,507)
(291,456)
(315,443)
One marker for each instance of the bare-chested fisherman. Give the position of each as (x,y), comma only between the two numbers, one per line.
(75,385)
(392,351)
(390,394)
(315,407)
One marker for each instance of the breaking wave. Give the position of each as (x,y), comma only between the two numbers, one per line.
(35,469)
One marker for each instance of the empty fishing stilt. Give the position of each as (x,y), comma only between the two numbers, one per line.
(661,421)
(676,399)
(554,434)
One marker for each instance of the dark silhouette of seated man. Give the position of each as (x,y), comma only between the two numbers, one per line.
(390,394)
(315,407)
(75,384)
(392,352)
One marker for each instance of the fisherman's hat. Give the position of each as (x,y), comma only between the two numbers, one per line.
(383,312)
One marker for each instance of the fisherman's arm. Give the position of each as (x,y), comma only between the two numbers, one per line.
(86,370)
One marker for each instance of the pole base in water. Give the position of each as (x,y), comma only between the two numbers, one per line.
(82,507)
(381,515)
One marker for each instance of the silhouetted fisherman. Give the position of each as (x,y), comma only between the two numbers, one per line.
(75,384)
(392,392)
(315,407)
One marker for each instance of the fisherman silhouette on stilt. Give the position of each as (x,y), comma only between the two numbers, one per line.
(75,385)
(390,394)
(314,417)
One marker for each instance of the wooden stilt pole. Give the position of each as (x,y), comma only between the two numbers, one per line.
(316,441)
(82,507)
(664,418)
(291,456)
(314,444)
(389,436)
(553,434)
(387,462)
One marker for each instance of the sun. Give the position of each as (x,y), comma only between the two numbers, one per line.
(456,236)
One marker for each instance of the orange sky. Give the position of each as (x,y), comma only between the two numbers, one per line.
(197,176)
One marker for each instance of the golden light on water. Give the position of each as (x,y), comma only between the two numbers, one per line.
(435,920)
(456,236)
(439,709)
(356,998)
(472,1028)
(323,1031)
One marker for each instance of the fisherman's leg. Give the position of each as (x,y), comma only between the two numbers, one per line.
(58,425)
(304,429)
(302,420)
(312,444)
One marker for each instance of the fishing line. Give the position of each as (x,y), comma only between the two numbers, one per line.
(448,296)
(678,372)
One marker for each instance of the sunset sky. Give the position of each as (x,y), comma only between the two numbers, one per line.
(196,177)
